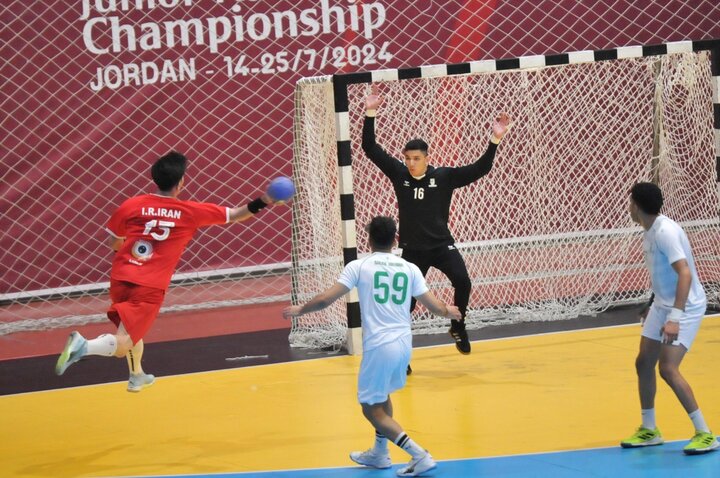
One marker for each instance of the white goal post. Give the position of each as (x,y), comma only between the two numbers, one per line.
(546,235)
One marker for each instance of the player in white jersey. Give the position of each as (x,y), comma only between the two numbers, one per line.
(672,321)
(386,284)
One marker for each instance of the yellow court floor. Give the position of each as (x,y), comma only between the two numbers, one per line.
(560,391)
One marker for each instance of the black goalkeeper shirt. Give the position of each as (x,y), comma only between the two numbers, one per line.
(423,204)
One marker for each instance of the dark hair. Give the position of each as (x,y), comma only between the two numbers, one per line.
(648,197)
(169,170)
(382,230)
(416,144)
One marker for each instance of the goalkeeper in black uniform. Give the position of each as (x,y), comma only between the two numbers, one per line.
(424,194)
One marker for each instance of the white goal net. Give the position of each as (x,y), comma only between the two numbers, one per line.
(547,234)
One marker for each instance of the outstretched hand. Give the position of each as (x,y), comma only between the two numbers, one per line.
(373,100)
(501,126)
(292,311)
(267,199)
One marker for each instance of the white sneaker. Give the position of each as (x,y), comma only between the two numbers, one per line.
(75,349)
(370,458)
(140,381)
(418,466)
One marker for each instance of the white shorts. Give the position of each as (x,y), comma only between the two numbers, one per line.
(689,325)
(383,370)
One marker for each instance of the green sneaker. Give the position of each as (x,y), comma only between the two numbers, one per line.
(702,442)
(643,437)
(75,349)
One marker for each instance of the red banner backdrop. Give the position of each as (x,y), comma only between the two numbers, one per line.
(94,90)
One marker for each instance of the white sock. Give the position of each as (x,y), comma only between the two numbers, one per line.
(104,345)
(648,418)
(406,443)
(380,446)
(134,358)
(699,421)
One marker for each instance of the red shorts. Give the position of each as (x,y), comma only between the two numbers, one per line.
(136,306)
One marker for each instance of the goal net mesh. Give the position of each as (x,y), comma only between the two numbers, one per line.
(546,235)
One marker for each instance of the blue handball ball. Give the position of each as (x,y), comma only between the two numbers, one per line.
(281,189)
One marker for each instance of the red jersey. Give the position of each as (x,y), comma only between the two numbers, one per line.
(156,230)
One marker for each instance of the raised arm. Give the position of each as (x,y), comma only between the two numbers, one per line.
(242,213)
(464,175)
(278,191)
(389,165)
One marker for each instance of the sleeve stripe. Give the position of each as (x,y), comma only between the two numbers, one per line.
(113,234)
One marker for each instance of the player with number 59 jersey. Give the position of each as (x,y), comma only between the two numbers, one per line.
(385,283)
(389,283)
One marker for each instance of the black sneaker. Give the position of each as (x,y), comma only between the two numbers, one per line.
(458,332)
(409,370)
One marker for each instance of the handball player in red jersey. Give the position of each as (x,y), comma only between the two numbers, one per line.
(149,233)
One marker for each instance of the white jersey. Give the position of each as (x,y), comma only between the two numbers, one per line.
(386,284)
(665,243)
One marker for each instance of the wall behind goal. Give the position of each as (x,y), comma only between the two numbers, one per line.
(94,90)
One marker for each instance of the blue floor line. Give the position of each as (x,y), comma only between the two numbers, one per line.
(666,461)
